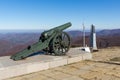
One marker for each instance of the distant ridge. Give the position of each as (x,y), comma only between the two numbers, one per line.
(107,32)
(74,33)
(14,42)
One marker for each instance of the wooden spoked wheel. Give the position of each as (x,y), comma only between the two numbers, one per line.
(61,44)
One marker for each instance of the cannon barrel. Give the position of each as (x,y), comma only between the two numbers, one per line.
(48,33)
(61,27)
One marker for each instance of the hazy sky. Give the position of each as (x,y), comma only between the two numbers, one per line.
(46,14)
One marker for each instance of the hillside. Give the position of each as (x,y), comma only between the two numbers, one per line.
(105,38)
(14,42)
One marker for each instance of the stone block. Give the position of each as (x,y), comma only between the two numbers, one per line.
(10,68)
(38,66)
(12,71)
(86,56)
(74,59)
(57,63)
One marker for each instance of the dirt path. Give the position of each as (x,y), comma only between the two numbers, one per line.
(100,68)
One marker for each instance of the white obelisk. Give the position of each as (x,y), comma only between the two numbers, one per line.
(93,44)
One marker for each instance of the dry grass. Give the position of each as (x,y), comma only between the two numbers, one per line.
(107,54)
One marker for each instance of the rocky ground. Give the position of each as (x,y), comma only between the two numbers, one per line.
(99,68)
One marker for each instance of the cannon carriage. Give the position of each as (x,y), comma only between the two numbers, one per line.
(54,41)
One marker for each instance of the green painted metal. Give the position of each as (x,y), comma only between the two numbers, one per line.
(61,43)
(53,41)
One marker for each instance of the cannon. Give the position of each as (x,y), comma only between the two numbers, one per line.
(54,41)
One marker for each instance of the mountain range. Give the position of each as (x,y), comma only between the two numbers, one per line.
(12,42)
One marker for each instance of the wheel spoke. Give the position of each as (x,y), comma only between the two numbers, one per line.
(63,36)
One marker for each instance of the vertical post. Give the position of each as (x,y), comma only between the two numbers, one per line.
(84,48)
(83,35)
